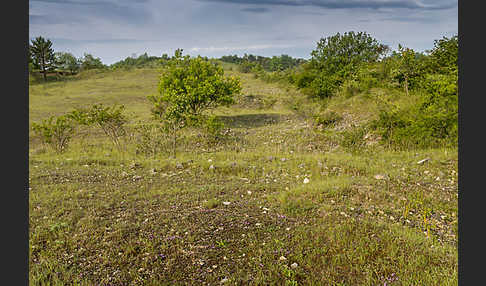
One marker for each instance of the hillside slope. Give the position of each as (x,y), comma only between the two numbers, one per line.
(277,201)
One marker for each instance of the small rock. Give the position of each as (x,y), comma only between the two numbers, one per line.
(294,265)
(134,165)
(306,180)
(379,177)
(423,161)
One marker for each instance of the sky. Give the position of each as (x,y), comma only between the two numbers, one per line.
(115,29)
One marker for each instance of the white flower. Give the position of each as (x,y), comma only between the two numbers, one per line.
(306,180)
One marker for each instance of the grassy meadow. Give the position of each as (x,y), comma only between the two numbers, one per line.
(277,201)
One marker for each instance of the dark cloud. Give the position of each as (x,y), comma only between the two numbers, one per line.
(347,4)
(410,19)
(256,9)
(118,11)
(114,29)
(89,2)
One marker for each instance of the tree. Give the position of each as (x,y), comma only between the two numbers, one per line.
(89,62)
(341,54)
(42,55)
(66,61)
(408,65)
(337,58)
(445,55)
(189,86)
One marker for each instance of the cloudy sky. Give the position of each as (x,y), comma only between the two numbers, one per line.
(116,29)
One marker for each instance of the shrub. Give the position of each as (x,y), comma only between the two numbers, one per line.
(189,86)
(55,131)
(327,119)
(213,128)
(350,88)
(324,86)
(150,140)
(432,123)
(353,139)
(245,67)
(110,119)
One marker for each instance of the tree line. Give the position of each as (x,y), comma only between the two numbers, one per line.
(43,59)
(275,63)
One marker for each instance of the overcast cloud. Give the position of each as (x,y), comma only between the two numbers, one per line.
(116,29)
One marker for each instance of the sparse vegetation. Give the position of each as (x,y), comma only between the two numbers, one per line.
(355,188)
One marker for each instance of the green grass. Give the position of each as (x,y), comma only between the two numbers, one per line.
(103,216)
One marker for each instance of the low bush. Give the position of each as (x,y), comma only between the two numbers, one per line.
(110,119)
(327,119)
(432,123)
(55,131)
(151,139)
(213,129)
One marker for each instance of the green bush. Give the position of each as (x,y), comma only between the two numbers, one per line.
(324,86)
(55,131)
(350,88)
(353,139)
(110,119)
(213,128)
(245,67)
(432,123)
(151,139)
(327,119)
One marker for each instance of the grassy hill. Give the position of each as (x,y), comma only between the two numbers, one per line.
(277,201)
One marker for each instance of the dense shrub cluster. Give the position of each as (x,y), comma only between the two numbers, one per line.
(355,63)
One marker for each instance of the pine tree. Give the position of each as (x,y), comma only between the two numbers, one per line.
(42,55)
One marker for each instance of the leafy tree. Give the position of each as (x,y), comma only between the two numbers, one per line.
(408,65)
(66,61)
(42,55)
(338,58)
(341,54)
(444,55)
(89,62)
(189,86)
